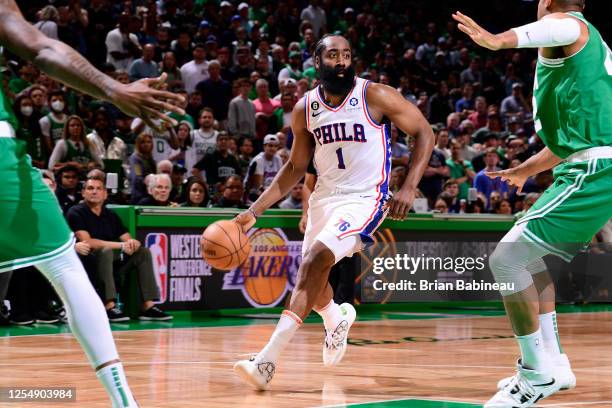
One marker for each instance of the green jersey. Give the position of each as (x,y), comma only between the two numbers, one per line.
(53,126)
(572,95)
(6,113)
(78,154)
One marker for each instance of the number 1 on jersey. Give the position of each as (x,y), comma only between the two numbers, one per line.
(340,159)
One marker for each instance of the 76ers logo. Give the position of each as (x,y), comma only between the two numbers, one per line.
(342,225)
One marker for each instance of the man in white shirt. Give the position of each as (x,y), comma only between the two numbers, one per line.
(195,70)
(263,168)
(121,45)
(203,140)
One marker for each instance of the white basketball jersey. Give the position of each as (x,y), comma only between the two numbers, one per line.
(353,152)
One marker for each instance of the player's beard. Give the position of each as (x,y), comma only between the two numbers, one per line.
(334,84)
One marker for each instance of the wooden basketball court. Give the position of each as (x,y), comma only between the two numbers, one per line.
(397,359)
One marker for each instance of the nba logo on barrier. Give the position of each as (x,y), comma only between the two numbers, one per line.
(343,225)
(158,245)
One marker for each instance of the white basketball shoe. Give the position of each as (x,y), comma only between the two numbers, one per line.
(563,374)
(524,389)
(255,372)
(334,346)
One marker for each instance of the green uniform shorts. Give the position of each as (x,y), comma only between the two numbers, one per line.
(32,227)
(573,209)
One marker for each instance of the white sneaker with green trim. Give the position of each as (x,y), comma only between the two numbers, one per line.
(335,343)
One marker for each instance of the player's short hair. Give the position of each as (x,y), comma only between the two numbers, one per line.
(320,47)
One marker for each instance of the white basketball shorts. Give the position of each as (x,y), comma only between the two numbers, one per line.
(343,223)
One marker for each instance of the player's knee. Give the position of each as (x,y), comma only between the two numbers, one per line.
(499,260)
(511,273)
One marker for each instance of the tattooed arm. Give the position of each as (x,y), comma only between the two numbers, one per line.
(65,64)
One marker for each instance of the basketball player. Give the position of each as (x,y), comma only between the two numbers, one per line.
(32,228)
(340,121)
(572,112)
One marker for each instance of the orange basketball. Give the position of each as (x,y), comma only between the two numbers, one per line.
(224,245)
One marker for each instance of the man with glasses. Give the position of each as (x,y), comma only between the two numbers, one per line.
(233,194)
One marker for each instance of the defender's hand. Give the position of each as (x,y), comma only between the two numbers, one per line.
(514,177)
(478,34)
(145,100)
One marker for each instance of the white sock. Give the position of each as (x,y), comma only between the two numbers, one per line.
(331,314)
(86,314)
(115,383)
(533,353)
(548,325)
(285,329)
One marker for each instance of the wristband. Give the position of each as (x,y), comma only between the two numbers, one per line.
(252,212)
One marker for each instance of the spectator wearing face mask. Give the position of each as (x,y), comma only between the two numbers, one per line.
(29,130)
(52,124)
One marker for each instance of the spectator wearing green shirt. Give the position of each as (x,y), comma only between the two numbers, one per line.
(282,114)
(461,171)
(293,69)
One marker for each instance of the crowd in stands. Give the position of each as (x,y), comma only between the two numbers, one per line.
(242,66)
